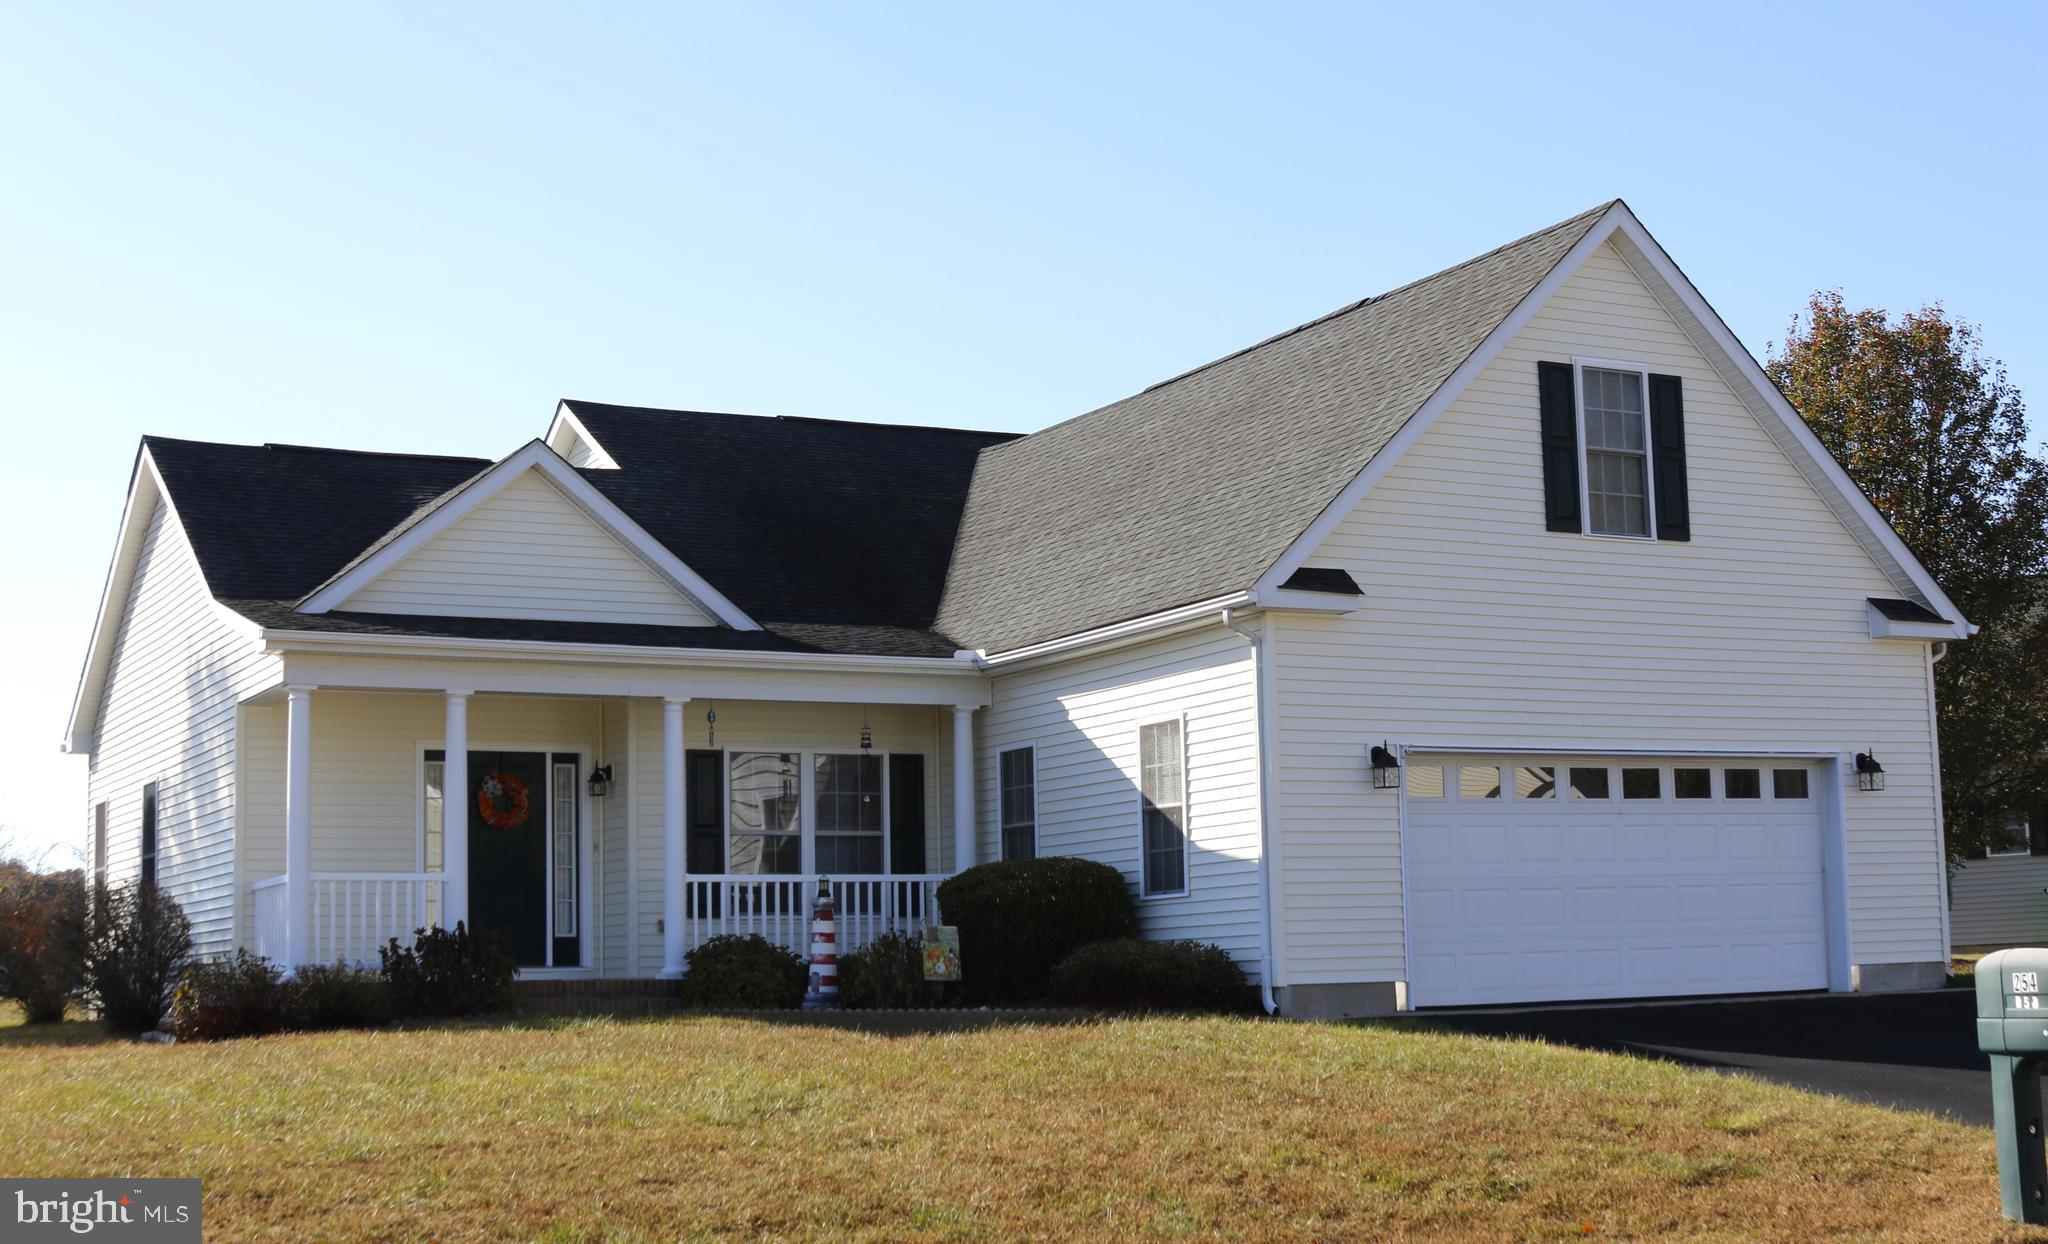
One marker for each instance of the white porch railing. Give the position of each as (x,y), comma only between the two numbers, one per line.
(779,907)
(354,914)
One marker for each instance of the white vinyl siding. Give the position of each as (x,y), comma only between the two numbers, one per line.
(168,716)
(529,552)
(1482,629)
(1999,902)
(1084,714)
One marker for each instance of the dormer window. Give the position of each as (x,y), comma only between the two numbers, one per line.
(1615,431)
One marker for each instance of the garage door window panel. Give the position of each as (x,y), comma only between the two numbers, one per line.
(1642,783)
(1425,781)
(1478,781)
(1788,783)
(1589,783)
(1743,783)
(1692,783)
(1535,782)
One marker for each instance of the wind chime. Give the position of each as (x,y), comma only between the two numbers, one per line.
(711,725)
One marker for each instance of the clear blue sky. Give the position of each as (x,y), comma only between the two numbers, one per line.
(415,227)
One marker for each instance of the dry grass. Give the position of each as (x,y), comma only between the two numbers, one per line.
(719,1128)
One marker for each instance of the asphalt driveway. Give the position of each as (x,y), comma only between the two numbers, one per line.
(1910,1051)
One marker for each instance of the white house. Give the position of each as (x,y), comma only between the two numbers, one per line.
(1536,528)
(1999,896)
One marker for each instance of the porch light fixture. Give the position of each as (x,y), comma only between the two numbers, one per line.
(1869,773)
(1386,770)
(600,781)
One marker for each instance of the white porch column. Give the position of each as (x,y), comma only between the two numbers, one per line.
(298,827)
(673,861)
(963,788)
(455,810)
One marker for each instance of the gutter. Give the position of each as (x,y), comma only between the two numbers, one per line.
(1260,668)
(1196,612)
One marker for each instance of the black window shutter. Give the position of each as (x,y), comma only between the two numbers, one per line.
(1560,446)
(2037,831)
(1667,457)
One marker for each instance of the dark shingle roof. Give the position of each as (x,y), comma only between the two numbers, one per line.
(798,520)
(1905,610)
(1194,487)
(834,536)
(274,521)
(854,537)
(1333,579)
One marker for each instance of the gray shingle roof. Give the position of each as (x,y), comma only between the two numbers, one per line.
(1194,487)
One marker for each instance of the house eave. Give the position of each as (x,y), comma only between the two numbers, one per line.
(285,642)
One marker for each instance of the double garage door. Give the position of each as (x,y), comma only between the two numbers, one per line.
(1553,878)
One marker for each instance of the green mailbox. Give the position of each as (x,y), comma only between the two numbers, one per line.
(2012,1027)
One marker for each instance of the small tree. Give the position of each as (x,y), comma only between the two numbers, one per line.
(42,939)
(1936,437)
(137,949)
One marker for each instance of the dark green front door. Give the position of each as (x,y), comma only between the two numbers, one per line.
(508,850)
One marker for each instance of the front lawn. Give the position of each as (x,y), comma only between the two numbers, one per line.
(712,1127)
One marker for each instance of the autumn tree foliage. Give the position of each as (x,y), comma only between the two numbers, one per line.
(1936,437)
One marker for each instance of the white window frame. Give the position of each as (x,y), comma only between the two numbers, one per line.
(1187,825)
(1002,822)
(808,814)
(1579,366)
(806,817)
(2026,831)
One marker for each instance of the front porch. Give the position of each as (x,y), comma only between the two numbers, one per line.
(707,816)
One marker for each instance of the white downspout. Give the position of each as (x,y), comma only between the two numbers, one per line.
(1257,640)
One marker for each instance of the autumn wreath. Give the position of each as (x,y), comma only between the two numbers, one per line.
(501,801)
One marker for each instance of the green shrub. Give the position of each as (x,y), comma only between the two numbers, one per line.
(1134,975)
(138,944)
(239,997)
(446,973)
(336,995)
(888,973)
(1018,919)
(747,972)
(42,939)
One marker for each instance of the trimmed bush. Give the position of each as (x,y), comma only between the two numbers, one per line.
(448,973)
(888,973)
(42,939)
(1018,919)
(336,995)
(747,973)
(1135,975)
(239,997)
(137,946)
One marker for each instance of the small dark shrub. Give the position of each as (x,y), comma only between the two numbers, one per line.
(42,939)
(748,972)
(888,973)
(1018,919)
(239,997)
(336,995)
(138,943)
(1134,975)
(448,973)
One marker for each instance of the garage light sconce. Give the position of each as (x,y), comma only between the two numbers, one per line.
(1869,773)
(1386,770)
(600,781)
